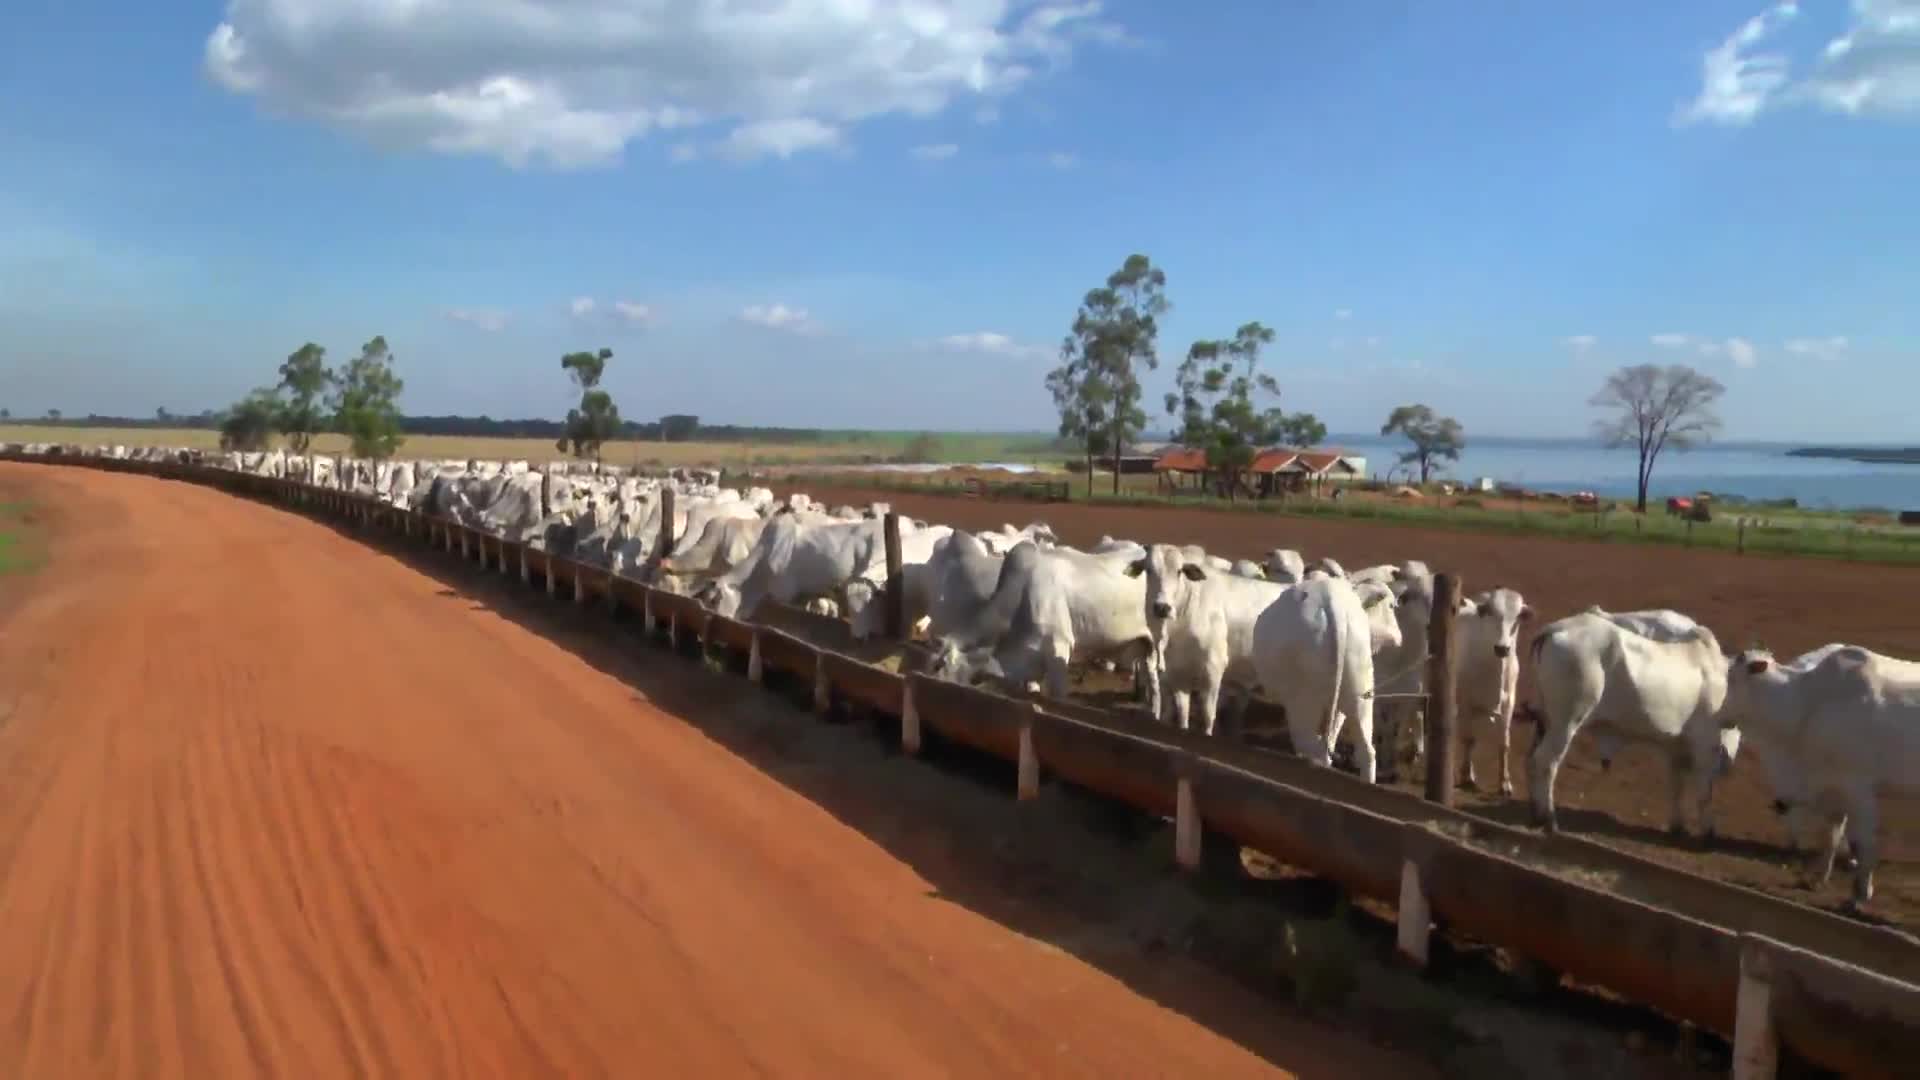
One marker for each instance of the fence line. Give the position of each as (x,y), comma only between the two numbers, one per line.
(1763,972)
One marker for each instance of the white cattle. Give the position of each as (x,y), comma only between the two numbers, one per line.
(1485,655)
(1841,728)
(1651,676)
(719,548)
(1247,568)
(797,561)
(1051,608)
(1326,567)
(1008,537)
(1400,675)
(1284,565)
(917,547)
(948,590)
(1202,625)
(1313,653)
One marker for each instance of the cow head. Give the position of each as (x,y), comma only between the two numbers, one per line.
(861,606)
(1169,574)
(1504,612)
(1383,625)
(1285,566)
(1743,671)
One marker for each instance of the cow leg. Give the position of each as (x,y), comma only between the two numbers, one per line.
(1178,704)
(1469,725)
(1304,717)
(1505,719)
(1548,755)
(1207,697)
(1863,827)
(1359,711)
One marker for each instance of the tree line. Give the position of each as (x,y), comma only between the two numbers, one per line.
(1225,405)
(359,400)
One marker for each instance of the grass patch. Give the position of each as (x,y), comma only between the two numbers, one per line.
(19,550)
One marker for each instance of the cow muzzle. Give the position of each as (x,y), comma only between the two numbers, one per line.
(1162,610)
(1503,651)
(1780,806)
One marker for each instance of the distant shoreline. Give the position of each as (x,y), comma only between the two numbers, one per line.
(1888,455)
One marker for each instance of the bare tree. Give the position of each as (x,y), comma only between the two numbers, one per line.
(1655,407)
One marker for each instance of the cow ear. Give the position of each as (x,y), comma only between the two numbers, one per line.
(1193,573)
(1135,569)
(1758,665)
(1526,612)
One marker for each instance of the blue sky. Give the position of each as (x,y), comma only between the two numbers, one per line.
(882,214)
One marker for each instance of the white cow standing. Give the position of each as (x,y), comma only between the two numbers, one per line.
(1313,653)
(1651,676)
(1485,656)
(1837,728)
(1202,624)
(1051,608)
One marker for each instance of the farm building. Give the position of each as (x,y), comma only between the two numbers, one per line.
(1274,470)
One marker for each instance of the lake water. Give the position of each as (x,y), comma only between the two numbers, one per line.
(1753,470)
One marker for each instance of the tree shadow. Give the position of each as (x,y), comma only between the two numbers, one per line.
(1074,870)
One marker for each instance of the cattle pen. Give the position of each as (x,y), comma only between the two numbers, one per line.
(1763,972)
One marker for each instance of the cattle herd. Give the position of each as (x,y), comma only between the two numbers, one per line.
(1833,729)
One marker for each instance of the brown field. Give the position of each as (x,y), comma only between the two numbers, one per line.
(1790,605)
(278,803)
(734,455)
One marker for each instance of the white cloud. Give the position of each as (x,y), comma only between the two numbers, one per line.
(632,313)
(1343,314)
(1825,349)
(1742,352)
(987,341)
(936,152)
(1061,159)
(581,306)
(570,83)
(1371,343)
(1580,343)
(780,317)
(1672,341)
(479,318)
(1872,67)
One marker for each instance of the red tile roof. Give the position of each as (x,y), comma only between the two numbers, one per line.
(1180,459)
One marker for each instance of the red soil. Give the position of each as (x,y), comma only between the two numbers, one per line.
(278,803)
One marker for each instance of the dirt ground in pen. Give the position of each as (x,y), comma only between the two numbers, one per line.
(1789,605)
(278,803)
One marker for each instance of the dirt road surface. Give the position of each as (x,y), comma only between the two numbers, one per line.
(1790,605)
(275,803)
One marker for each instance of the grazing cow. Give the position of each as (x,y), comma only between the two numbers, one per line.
(1051,608)
(917,547)
(1313,654)
(797,561)
(1653,676)
(719,548)
(946,591)
(1202,626)
(1486,664)
(1841,726)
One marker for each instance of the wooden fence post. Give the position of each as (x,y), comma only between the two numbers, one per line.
(909,718)
(1440,689)
(1756,1046)
(1186,825)
(896,594)
(1414,929)
(665,545)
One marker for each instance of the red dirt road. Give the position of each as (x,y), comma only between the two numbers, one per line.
(275,803)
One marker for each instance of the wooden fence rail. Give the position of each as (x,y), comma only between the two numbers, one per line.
(1763,972)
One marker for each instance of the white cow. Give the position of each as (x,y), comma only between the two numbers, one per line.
(1285,565)
(1202,625)
(1247,568)
(1652,676)
(1313,653)
(1400,674)
(947,591)
(1485,655)
(797,561)
(1840,727)
(917,547)
(1051,608)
